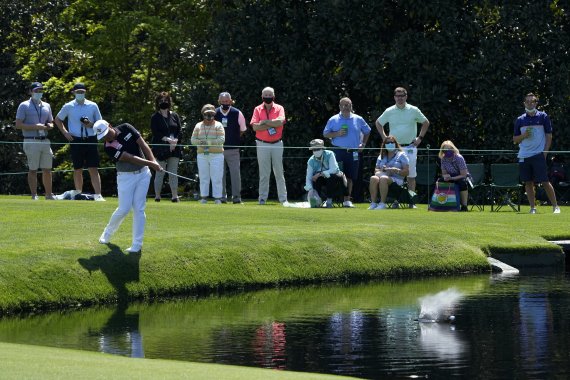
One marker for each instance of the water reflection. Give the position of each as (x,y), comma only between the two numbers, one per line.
(512,328)
(120,335)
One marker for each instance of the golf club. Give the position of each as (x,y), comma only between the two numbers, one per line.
(180,176)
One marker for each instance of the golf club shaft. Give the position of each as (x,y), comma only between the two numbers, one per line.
(180,176)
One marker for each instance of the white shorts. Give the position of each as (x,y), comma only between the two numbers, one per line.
(412,154)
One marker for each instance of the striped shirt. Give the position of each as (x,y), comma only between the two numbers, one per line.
(212,136)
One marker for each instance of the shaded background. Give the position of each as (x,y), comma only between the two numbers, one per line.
(466,64)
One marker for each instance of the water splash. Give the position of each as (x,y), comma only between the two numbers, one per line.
(439,307)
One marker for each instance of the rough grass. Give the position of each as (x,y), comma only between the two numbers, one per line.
(50,255)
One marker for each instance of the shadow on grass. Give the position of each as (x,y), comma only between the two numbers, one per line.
(119,268)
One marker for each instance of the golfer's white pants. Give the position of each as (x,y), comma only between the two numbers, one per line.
(271,156)
(132,189)
(211,168)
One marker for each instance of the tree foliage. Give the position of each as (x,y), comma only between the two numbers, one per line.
(466,64)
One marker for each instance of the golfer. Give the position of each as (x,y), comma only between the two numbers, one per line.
(133,156)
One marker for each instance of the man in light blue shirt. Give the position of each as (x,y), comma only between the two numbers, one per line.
(81,114)
(403,119)
(345,129)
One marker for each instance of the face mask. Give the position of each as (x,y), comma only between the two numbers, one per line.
(80,97)
(317,153)
(164,106)
(530,110)
(225,107)
(37,96)
(268,100)
(390,147)
(449,153)
(209,117)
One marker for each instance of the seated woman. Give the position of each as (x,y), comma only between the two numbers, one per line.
(454,169)
(392,166)
(323,171)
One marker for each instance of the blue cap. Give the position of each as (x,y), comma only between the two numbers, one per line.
(35,85)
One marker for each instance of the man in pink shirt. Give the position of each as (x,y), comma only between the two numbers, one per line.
(267,122)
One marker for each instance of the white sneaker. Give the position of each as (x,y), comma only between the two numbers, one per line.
(556,210)
(532,211)
(35,198)
(104,238)
(99,198)
(373,206)
(347,204)
(133,250)
(381,206)
(218,202)
(203,201)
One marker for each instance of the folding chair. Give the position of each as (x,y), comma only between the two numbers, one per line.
(425,180)
(477,187)
(505,182)
(399,196)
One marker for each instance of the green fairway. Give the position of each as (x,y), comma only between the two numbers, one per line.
(31,362)
(50,255)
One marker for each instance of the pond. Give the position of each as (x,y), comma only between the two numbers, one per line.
(504,327)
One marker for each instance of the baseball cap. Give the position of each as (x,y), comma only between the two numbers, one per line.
(78,86)
(101,127)
(224,95)
(316,144)
(35,85)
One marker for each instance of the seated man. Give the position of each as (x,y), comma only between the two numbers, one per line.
(323,172)
(392,166)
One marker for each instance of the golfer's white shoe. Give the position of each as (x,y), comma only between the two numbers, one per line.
(133,250)
(104,238)
(99,198)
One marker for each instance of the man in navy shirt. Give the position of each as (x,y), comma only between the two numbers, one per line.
(533,134)
(234,125)
(133,157)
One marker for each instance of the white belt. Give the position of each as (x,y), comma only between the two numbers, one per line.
(135,172)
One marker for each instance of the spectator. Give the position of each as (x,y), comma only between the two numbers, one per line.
(345,130)
(133,157)
(391,166)
(267,121)
(454,169)
(209,136)
(35,119)
(403,119)
(234,125)
(323,172)
(165,127)
(81,114)
(533,134)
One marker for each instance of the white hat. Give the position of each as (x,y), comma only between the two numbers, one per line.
(316,144)
(101,127)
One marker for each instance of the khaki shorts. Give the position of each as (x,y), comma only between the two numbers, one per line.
(39,154)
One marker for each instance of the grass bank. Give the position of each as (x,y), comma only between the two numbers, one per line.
(32,362)
(50,255)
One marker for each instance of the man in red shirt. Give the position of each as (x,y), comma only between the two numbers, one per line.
(267,122)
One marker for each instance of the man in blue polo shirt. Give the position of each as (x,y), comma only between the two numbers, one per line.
(533,134)
(81,114)
(234,125)
(349,134)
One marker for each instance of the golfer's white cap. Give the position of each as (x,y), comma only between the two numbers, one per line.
(101,127)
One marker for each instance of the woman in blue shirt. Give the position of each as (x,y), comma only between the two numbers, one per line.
(392,166)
